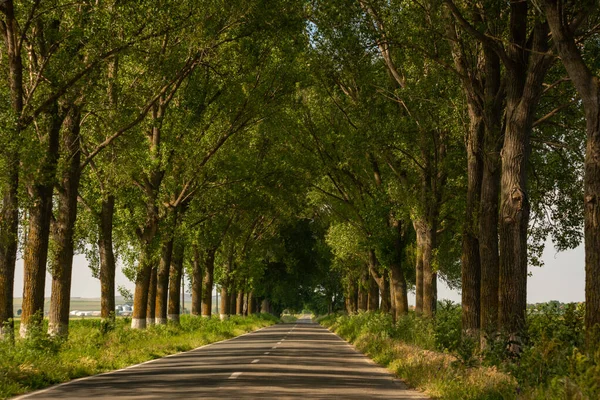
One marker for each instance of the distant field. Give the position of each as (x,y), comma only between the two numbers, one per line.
(88,304)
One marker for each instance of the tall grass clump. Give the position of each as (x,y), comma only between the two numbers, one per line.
(93,347)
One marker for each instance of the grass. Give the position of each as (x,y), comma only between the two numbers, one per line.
(91,348)
(431,355)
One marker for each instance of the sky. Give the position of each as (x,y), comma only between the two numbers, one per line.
(562,278)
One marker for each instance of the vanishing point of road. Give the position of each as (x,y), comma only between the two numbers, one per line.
(287,361)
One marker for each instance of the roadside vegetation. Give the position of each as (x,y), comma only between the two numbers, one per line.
(431,355)
(94,347)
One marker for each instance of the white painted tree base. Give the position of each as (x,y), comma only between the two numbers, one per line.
(173,317)
(223,317)
(160,321)
(138,323)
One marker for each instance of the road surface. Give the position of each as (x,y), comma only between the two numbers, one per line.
(288,361)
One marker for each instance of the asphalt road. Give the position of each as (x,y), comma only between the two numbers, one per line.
(288,361)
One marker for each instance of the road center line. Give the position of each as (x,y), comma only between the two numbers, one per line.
(235,375)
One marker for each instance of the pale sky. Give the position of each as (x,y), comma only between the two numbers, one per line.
(562,278)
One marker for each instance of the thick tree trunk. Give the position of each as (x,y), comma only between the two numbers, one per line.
(64,227)
(162,281)
(239,303)
(9,211)
(232,300)
(470,261)
(196,282)
(588,87)
(397,279)
(363,290)
(373,300)
(142,284)
(225,298)
(381,281)
(175,287)
(207,282)
(524,88)
(251,303)
(40,212)
(151,306)
(107,259)
(420,240)
(9,223)
(488,239)
(429,275)
(386,298)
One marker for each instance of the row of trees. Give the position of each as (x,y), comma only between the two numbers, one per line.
(434,99)
(290,150)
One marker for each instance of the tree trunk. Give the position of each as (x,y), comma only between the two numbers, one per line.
(488,238)
(363,292)
(588,87)
(142,284)
(40,212)
(196,283)
(398,281)
(151,307)
(107,259)
(239,304)
(373,300)
(225,298)
(162,281)
(386,298)
(429,275)
(64,227)
(525,79)
(420,234)
(470,261)
(207,282)
(175,287)
(250,303)
(9,210)
(9,223)
(380,280)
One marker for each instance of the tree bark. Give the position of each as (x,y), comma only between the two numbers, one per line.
(381,281)
(162,281)
(151,307)
(470,260)
(107,259)
(40,212)
(429,275)
(9,210)
(64,227)
(420,233)
(398,281)
(197,272)
(251,303)
(363,292)
(524,87)
(175,288)
(225,298)
(207,282)
(142,284)
(588,87)
(239,304)
(373,300)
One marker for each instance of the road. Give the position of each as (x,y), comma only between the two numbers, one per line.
(288,361)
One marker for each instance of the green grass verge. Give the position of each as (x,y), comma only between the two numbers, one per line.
(91,348)
(440,375)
